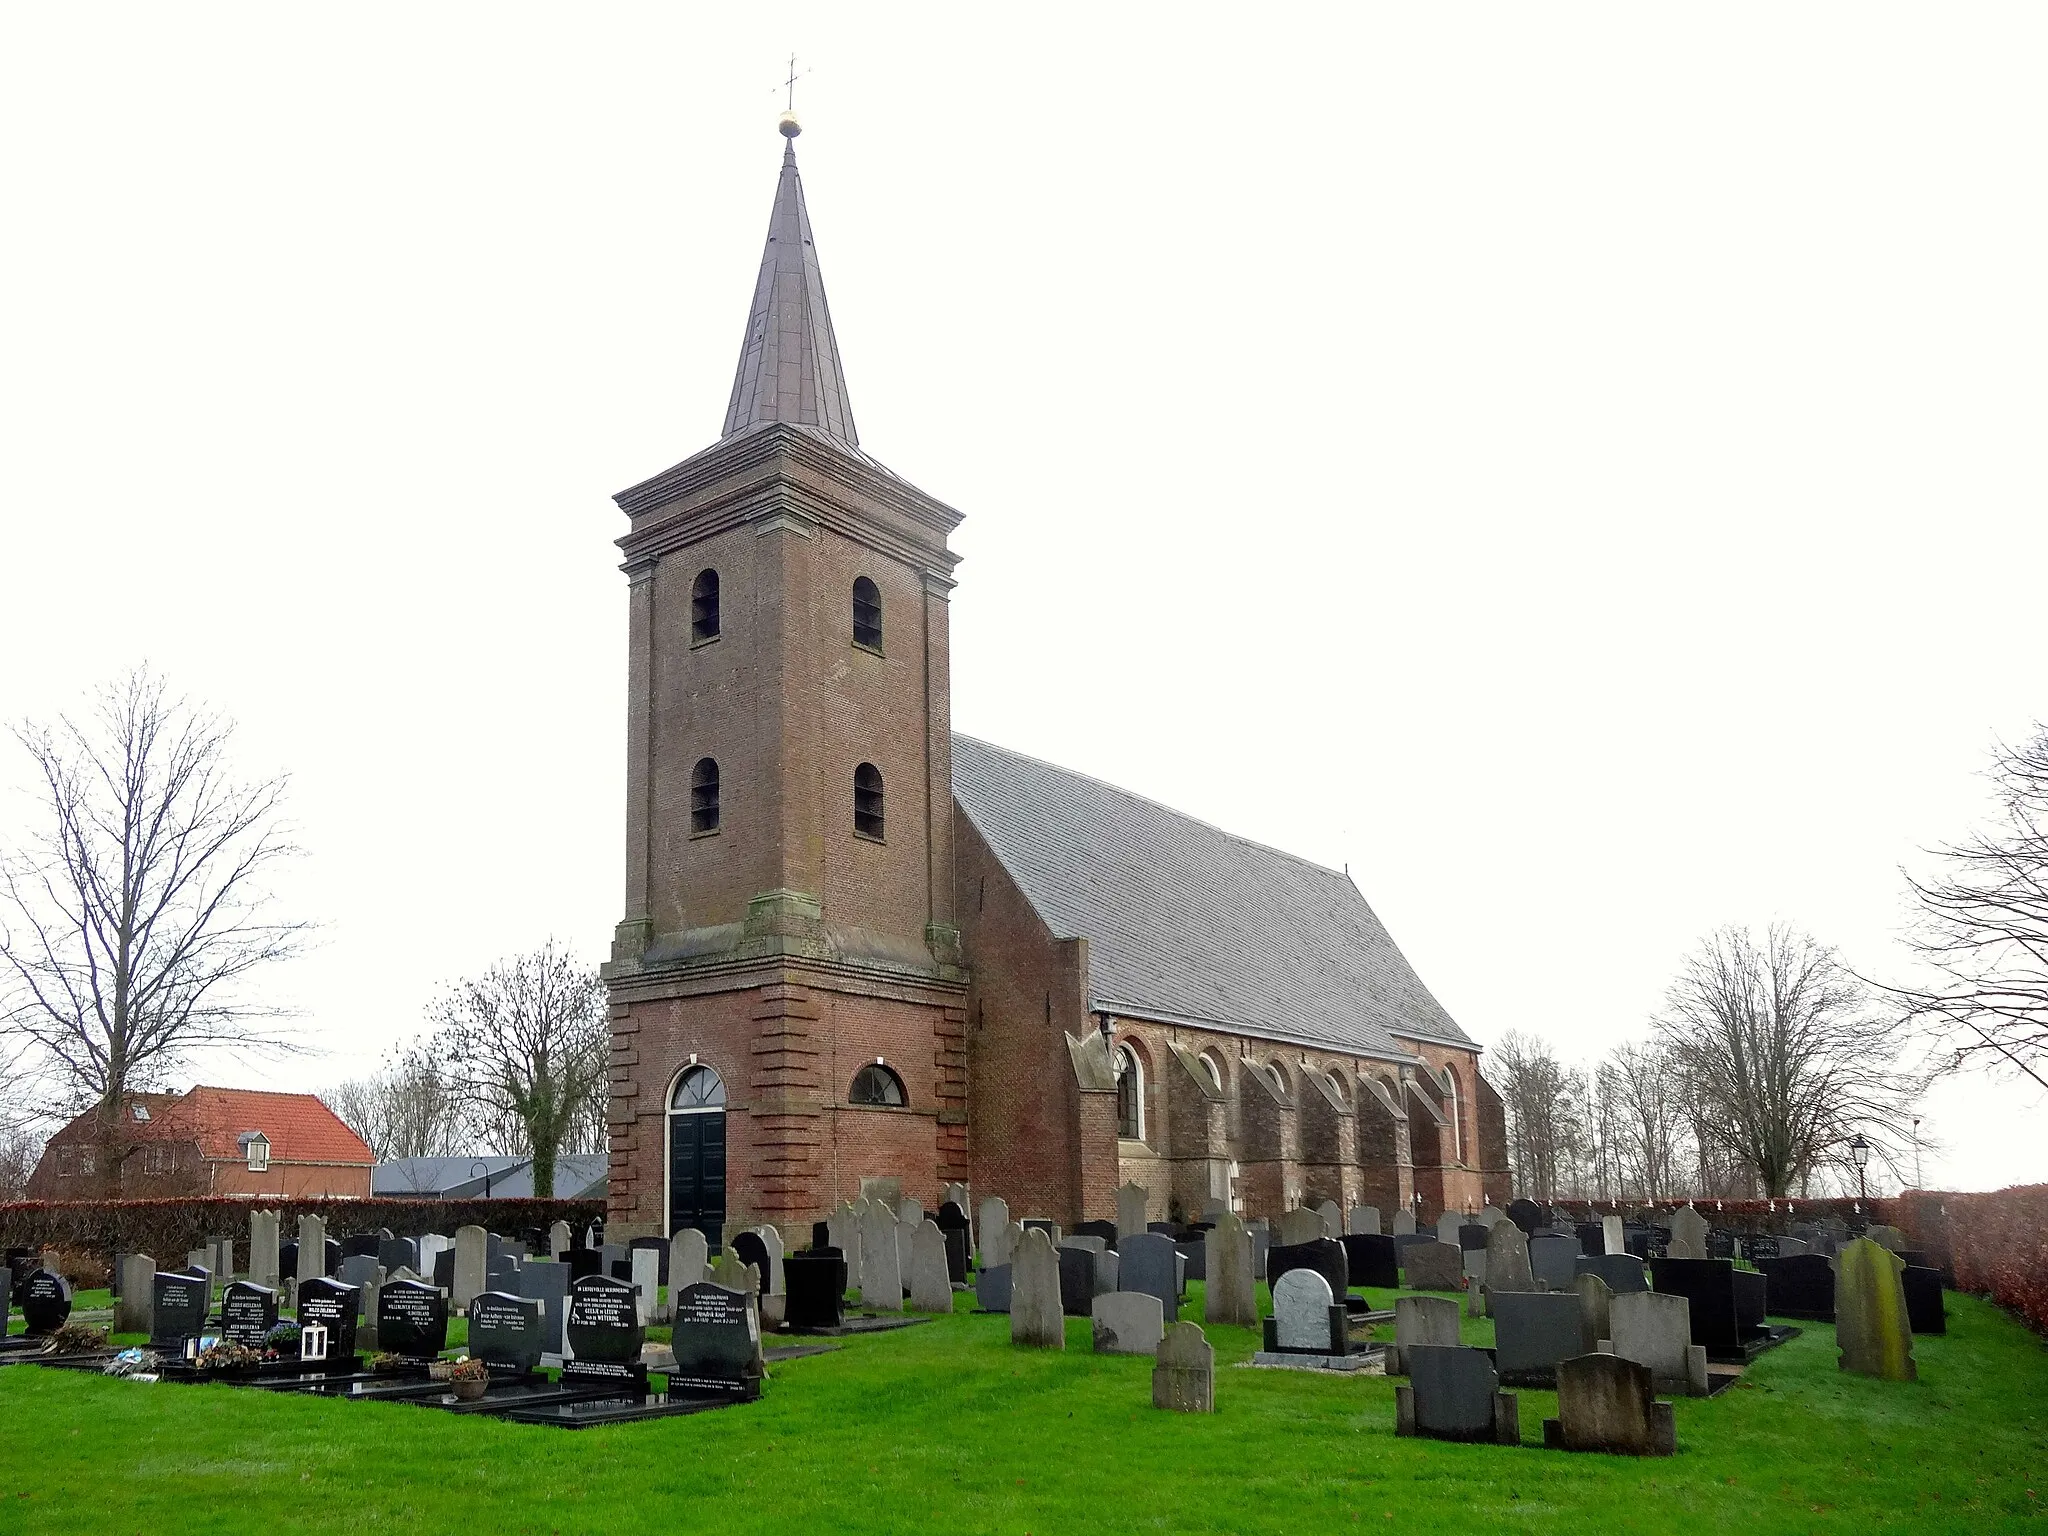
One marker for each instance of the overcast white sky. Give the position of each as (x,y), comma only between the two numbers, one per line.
(1579,467)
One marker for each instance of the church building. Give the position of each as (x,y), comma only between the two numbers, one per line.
(857,946)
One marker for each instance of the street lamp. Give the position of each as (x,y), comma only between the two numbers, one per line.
(1859,1149)
(479,1166)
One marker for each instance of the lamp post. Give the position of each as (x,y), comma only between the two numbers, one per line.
(1859,1149)
(1916,1153)
(479,1166)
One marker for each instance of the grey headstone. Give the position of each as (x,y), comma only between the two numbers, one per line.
(1448,1225)
(1655,1330)
(1612,1236)
(1085,1240)
(1623,1272)
(1453,1394)
(689,1258)
(1228,1293)
(1607,1403)
(1554,1260)
(992,1287)
(1184,1377)
(1433,1267)
(646,1281)
(1150,1264)
(931,1282)
(1533,1331)
(471,1266)
(1299,1226)
(1130,1213)
(1421,1320)
(1035,1316)
(1507,1259)
(1302,1304)
(992,1225)
(1404,1222)
(842,1231)
(909,1217)
(361,1269)
(1128,1323)
(1362,1221)
(263,1248)
(1596,1304)
(1333,1218)
(1688,1235)
(881,1276)
(131,1314)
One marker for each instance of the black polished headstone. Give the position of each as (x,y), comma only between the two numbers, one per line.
(1077,1282)
(1106,1230)
(959,1235)
(335,1307)
(412,1319)
(444,1269)
(394,1254)
(1623,1272)
(288,1260)
(604,1330)
(716,1340)
(1370,1258)
(1709,1285)
(1761,1246)
(1720,1245)
(1324,1255)
(1924,1310)
(177,1311)
(1592,1239)
(45,1302)
(752,1248)
(821,1235)
(816,1283)
(1472,1236)
(248,1312)
(581,1261)
(360,1245)
(1527,1215)
(505,1331)
(1801,1285)
(333,1259)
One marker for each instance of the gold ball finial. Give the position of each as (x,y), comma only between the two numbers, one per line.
(789,127)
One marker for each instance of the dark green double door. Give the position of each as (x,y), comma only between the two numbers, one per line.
(696,1174)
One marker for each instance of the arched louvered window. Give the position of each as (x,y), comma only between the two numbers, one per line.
(876,1084)
(867,614)
(704,796)
(867,801)
(704,606)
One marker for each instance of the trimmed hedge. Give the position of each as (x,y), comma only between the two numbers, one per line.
(2000,1246)
(169,1229)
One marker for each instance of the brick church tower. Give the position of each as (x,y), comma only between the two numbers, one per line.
(787,993)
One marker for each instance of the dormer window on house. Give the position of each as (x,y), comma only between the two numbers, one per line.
(704,797)
(867,801)
(867,614)
(139,1111)
(704,607)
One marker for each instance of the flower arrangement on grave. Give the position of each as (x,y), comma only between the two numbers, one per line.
(387,1364)
(133,1362)
(226,1354)
(77,1339)
(282,1342)
(469,1376)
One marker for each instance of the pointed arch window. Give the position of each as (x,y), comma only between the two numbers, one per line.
(1130,1095)
(704,607)
(877,1084)
(704,797)
(867,614)
(1456,1118)
(867,802)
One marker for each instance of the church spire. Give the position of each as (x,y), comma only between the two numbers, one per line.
(789,364)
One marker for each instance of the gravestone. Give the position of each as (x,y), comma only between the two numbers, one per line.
(881,1275)
(1228,1293)
(1596,1304)
(992,1221)
(817,1289)
(1421,1320)
(506,1332)
(1333,1218)
(1184,1375)
(177,1311)
(931,1279)
(432,1246)
(312,1250)
(359,1245)
(396,1253)
(751,1247)
(1623,1272)
(1307,1320)
(1449,1225)
(1472,1235)
(909,1217)
(735,1274)
(1925,1312)
(1370,1261)
(1655,1330)
(604,1332)
(1527,1215)
(842,1231)
(46,1302)
(360,1269)
(959,1238)
(1493,1216)
(1710,1285)
(1362,1221)
(546,1284)
(1507,1258)
(1871,1324)
(1533,1331)
(132,1313)
(263,1254)
(992,1287)
(717,1345)
(1036,1320)
(1553,1260)
(1475,1265)
(222,1262)
(1886,1237)
(1765,1246)
(248,1312)
(1453,1393)
(646,1281)
(558,1239)
(1130,1213)
(1801,1286)
(333,1306)
(689,1257)
(471,1266)
(1433,1267)
(1150,1264)
(1128,1323)
(1404,1222)
(1608,1403)
(1323,1255)
(1078,1287)
(1103,1232)
(288,1263)
(412,1319)
(1688,1235)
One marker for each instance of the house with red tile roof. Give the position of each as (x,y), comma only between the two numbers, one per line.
(210,1141)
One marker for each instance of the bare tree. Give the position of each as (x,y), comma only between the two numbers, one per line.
(1982,928)
(1542,1098)
(20,1150)
(131,921)
(1786,1056)
(408,1109)
(1645,1118)
(528,1046)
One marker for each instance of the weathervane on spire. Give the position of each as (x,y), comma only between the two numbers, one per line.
(789,127)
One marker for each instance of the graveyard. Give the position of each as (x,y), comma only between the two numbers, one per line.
(1043,1417)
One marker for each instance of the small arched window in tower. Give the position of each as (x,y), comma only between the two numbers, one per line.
(867,614)
(704,796)
(1454,1116)
(876,1084)
(1130,1095)
(867,801)
(704,607)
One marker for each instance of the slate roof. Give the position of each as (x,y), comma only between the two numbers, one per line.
(1187,923)
(578,1176)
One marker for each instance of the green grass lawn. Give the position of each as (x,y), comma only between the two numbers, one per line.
(947,1427)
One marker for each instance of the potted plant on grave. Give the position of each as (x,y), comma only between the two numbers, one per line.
(282,1342)
(387,1364)
(468,1378)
